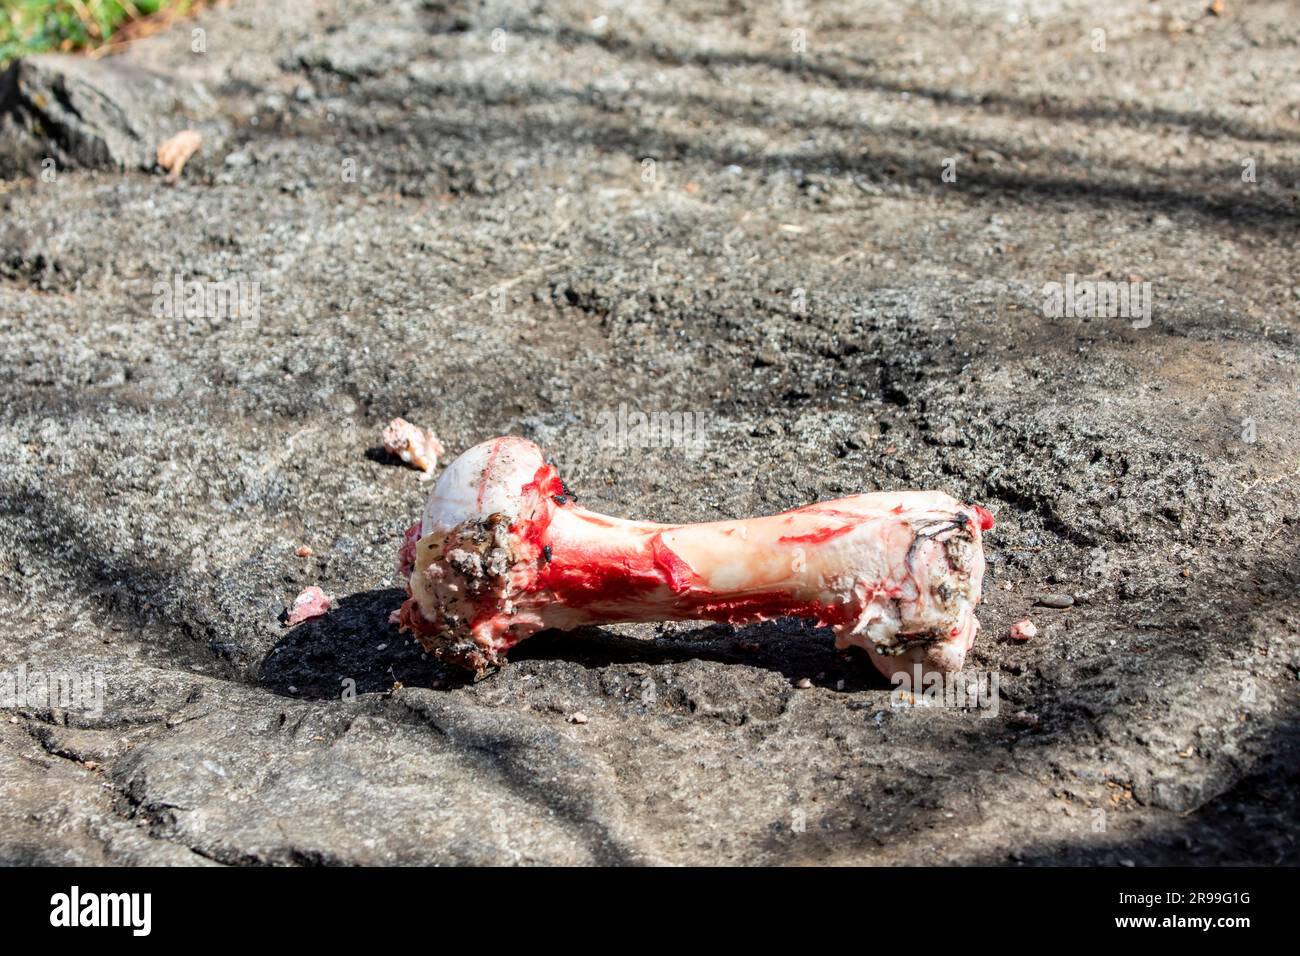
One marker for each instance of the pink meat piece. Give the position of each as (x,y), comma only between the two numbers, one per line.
(312,602)
(1024,630)
(418,447)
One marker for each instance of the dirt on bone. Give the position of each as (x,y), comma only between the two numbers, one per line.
(444,640)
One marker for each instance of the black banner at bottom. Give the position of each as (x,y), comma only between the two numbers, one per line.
(335,907)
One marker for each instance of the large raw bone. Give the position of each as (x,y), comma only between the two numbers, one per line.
(503,552)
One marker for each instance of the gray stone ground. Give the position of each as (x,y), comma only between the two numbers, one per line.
(504,262)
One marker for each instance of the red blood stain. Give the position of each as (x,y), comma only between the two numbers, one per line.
(532,527)
(577,576)
(766,605)
(545,482)
(833,512)
(817,537)
(406,556)
(678,575)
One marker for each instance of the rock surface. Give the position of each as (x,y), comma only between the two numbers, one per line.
(82,114)
(545,224)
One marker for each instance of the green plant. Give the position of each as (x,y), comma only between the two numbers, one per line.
(37,26)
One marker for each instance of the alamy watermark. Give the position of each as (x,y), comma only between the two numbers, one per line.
(626,428)
(1092,299)
(21,689)
(73,909)
(965,690)
(234,298)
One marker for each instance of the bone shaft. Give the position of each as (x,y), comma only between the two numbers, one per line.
(726,570)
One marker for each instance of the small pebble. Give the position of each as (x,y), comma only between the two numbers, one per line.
(803,683)
(1023,630)
(578,718)
(1058,601)
(1025,719)
(304,552)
